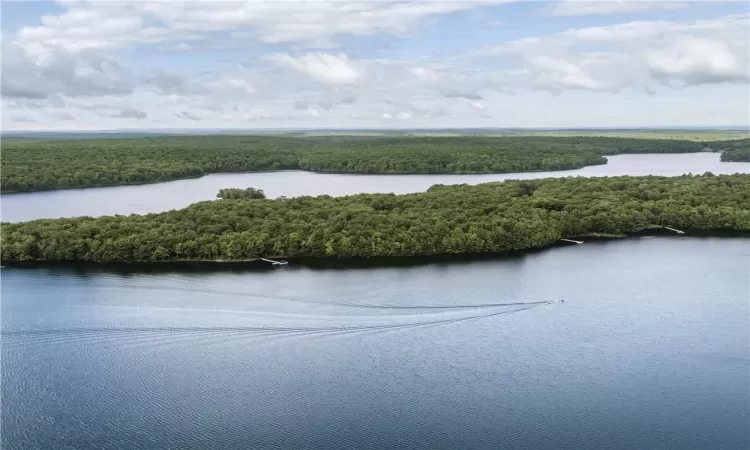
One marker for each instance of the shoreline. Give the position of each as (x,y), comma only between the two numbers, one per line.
(335,262)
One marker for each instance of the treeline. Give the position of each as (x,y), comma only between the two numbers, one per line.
(34,165)
(493,217)
(736,150)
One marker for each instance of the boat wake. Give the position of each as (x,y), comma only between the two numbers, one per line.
(44,334)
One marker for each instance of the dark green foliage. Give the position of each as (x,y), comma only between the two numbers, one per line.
(35,165)
(736,150)
(236,194)
(737,155)
(493,217)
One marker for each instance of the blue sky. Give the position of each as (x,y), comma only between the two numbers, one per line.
(388,64)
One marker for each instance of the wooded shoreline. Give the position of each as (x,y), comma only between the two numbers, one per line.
(321,262)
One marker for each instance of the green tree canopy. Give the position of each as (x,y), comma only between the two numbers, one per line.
(34,165)
(492,217)
(234,193)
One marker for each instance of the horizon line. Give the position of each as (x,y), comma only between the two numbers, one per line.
(344,129)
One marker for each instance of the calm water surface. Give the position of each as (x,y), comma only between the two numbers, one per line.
(649,351)
(177,194)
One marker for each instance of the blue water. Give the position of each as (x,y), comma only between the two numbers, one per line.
(649,351)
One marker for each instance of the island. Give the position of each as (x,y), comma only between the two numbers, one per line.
(488,218)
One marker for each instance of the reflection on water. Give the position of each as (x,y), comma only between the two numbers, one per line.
(177,194)
(649,350)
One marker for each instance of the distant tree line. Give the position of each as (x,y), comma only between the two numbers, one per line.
(493,217)
(34,165)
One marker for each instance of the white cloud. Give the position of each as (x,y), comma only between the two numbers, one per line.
(76,65)
(58,72)
(730,27)
(692,61)
(608,58)
(291,21)
(117,24)
(70,53)
(234,84)
(604,7)
(331,69)
(238,84)
(424,74)
(477,105)
(556,74)
(92,26)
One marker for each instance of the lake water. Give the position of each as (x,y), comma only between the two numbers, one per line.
(177,194)
(649,350)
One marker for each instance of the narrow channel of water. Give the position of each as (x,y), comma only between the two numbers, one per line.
(178,194)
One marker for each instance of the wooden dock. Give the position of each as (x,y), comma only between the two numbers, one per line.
(675,230)
(275,263)
(571,240)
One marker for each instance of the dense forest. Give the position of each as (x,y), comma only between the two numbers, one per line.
(493,217)
(34,165)
(736,155)
(735,150)
(236,194)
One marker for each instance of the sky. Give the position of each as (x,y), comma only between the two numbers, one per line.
(107,65)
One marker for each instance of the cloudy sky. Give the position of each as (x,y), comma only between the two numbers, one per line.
(77,65)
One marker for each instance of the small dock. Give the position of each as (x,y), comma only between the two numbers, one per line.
(675,230)
(572,241)
(275,263)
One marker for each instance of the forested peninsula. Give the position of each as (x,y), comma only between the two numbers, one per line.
(487,218)
(733,151)
(37,165)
